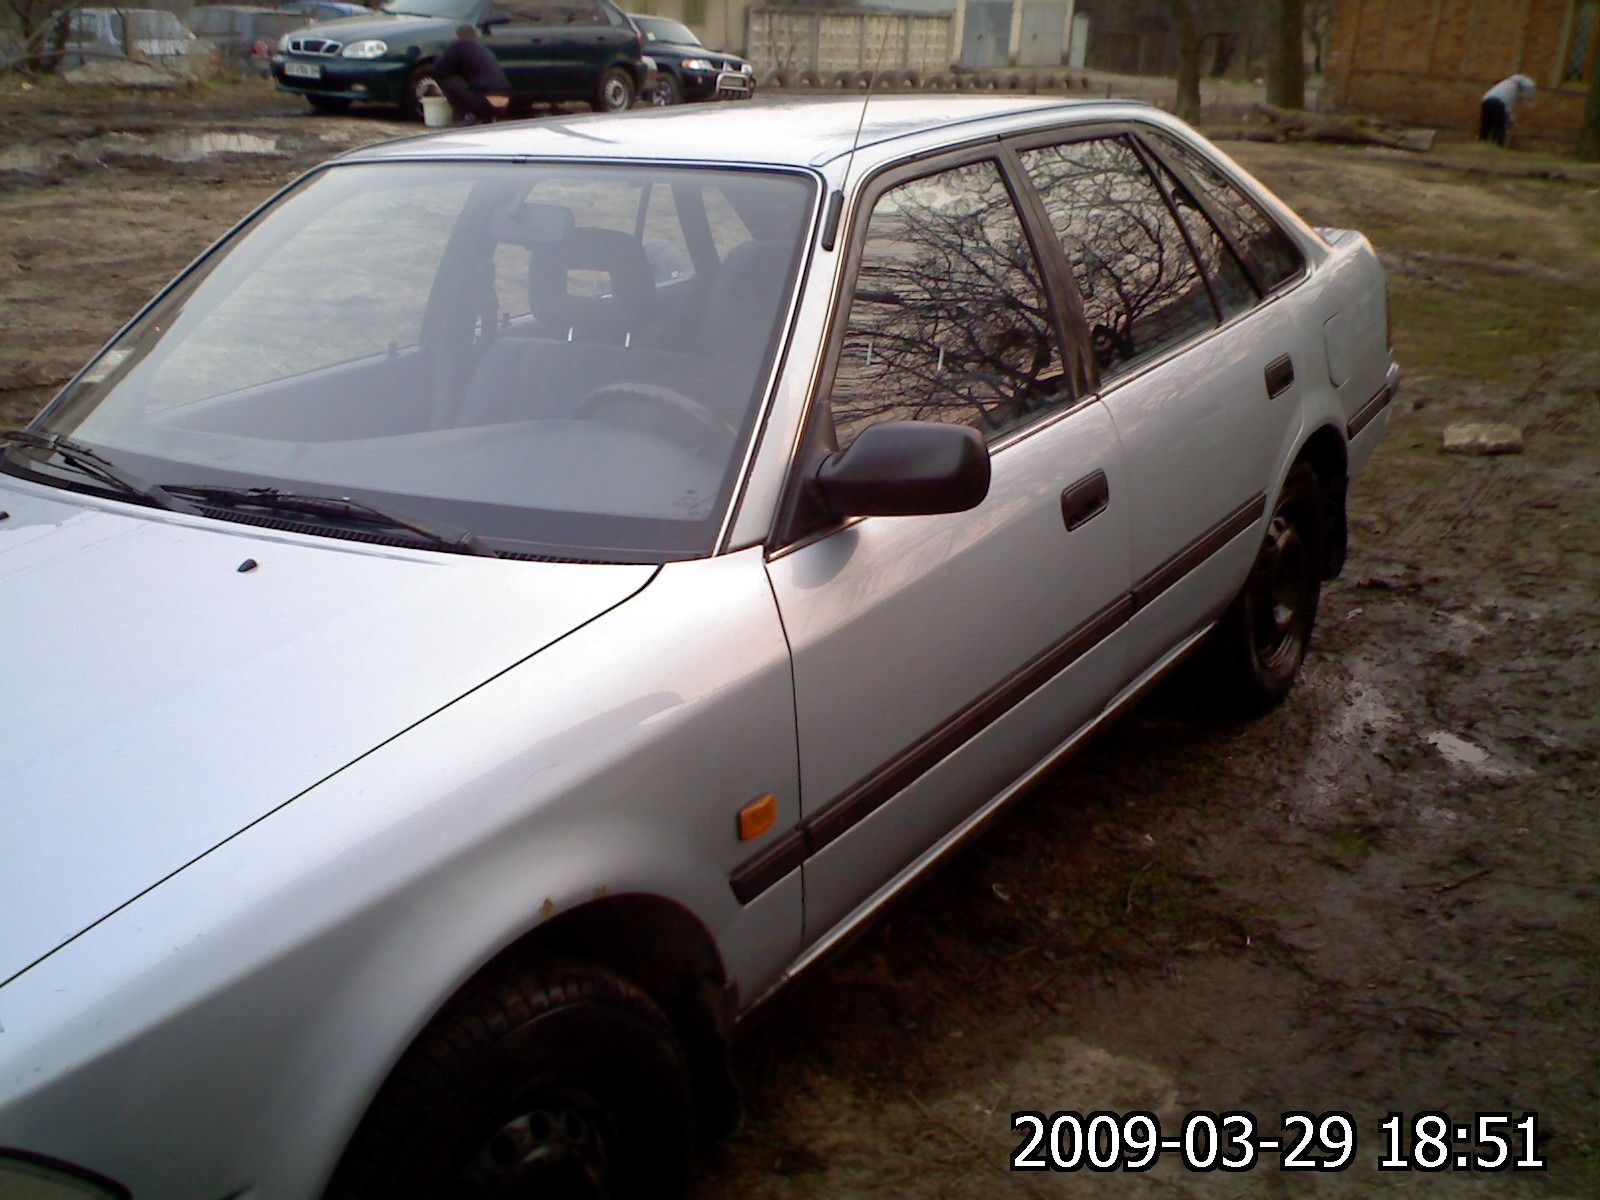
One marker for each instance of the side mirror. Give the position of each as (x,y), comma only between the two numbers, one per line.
(904,469)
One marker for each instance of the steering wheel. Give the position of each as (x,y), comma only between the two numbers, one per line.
(659,410)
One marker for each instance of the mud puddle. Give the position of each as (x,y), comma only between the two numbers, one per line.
(170,147)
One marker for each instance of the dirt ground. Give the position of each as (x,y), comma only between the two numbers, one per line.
(1381,898)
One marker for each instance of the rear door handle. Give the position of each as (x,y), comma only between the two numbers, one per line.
(1085,500)
(1280,376)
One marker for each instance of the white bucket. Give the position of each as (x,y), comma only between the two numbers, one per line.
(436,112)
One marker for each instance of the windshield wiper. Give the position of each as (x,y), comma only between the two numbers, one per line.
(98,466)
(342,508)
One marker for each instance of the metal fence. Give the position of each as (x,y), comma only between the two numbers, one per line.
(786,39)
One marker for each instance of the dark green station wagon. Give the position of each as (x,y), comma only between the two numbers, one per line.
(552,51)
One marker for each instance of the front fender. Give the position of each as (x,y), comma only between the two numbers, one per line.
(227,1029)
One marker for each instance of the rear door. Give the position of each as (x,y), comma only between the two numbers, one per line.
(938,658)
(1198,374)
(587,39)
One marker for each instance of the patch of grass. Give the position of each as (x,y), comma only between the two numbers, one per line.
(1492,329)
(1348,846)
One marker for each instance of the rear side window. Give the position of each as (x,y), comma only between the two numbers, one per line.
(1270,250)
(949,321)
(1142,290)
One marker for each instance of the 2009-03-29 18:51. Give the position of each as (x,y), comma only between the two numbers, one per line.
(1229,1141)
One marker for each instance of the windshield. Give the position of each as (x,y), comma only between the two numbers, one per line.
(454,10)
(659,29)
(564,360)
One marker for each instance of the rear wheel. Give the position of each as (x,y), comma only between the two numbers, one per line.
(614,92)
(1255,653)
(327,105)
(554,1081)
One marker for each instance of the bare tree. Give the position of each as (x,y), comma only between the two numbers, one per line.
(1286,86)
(1188,35)
(1319,24)
(32,21)
(1589,135)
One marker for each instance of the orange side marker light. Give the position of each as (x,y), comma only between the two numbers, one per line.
(757,817)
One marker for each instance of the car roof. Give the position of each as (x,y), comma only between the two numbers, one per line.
(808,133)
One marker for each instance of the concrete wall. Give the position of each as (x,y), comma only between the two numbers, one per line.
(1429,62)
(833,40)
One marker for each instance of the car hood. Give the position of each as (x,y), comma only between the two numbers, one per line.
(392,28)
(159,696)
(680,50)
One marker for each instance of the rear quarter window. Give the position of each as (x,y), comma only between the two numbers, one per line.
(1269,249)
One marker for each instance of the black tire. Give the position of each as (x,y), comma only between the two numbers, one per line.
(411,101)
(614,92)
(559,1081)
(328,105)
(668,91)
(1253,657)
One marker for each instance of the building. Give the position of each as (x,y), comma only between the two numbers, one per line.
(1429,61)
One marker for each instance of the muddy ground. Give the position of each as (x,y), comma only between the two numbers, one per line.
(1382,897)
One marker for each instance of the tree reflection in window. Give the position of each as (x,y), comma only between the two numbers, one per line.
(1141,289)
(949,321)
(1275,257)
(1230,285)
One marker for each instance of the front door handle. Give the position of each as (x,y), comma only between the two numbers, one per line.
(1085,500)
(1280,376)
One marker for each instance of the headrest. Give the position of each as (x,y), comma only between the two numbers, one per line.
(606,309)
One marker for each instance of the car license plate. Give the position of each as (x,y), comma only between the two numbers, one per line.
(303,70)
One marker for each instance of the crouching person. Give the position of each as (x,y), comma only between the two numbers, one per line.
(472,78)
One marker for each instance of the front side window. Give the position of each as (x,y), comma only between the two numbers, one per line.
(523,351)
(1142,290)
(949,319)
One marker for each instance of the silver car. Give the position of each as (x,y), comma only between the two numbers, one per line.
(527,593)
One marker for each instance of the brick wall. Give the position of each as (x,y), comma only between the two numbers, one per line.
(1429,62)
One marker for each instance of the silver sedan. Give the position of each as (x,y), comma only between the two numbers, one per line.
(529,592)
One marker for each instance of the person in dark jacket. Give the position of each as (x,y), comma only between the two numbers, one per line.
(472,78)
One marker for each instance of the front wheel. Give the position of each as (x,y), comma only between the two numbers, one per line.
(1255,653)
(614,92)
(411,101)
(547,1081)
(667,92)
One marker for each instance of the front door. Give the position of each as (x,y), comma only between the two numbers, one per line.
(937,658)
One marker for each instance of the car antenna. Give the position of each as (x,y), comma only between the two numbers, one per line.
(830,220)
